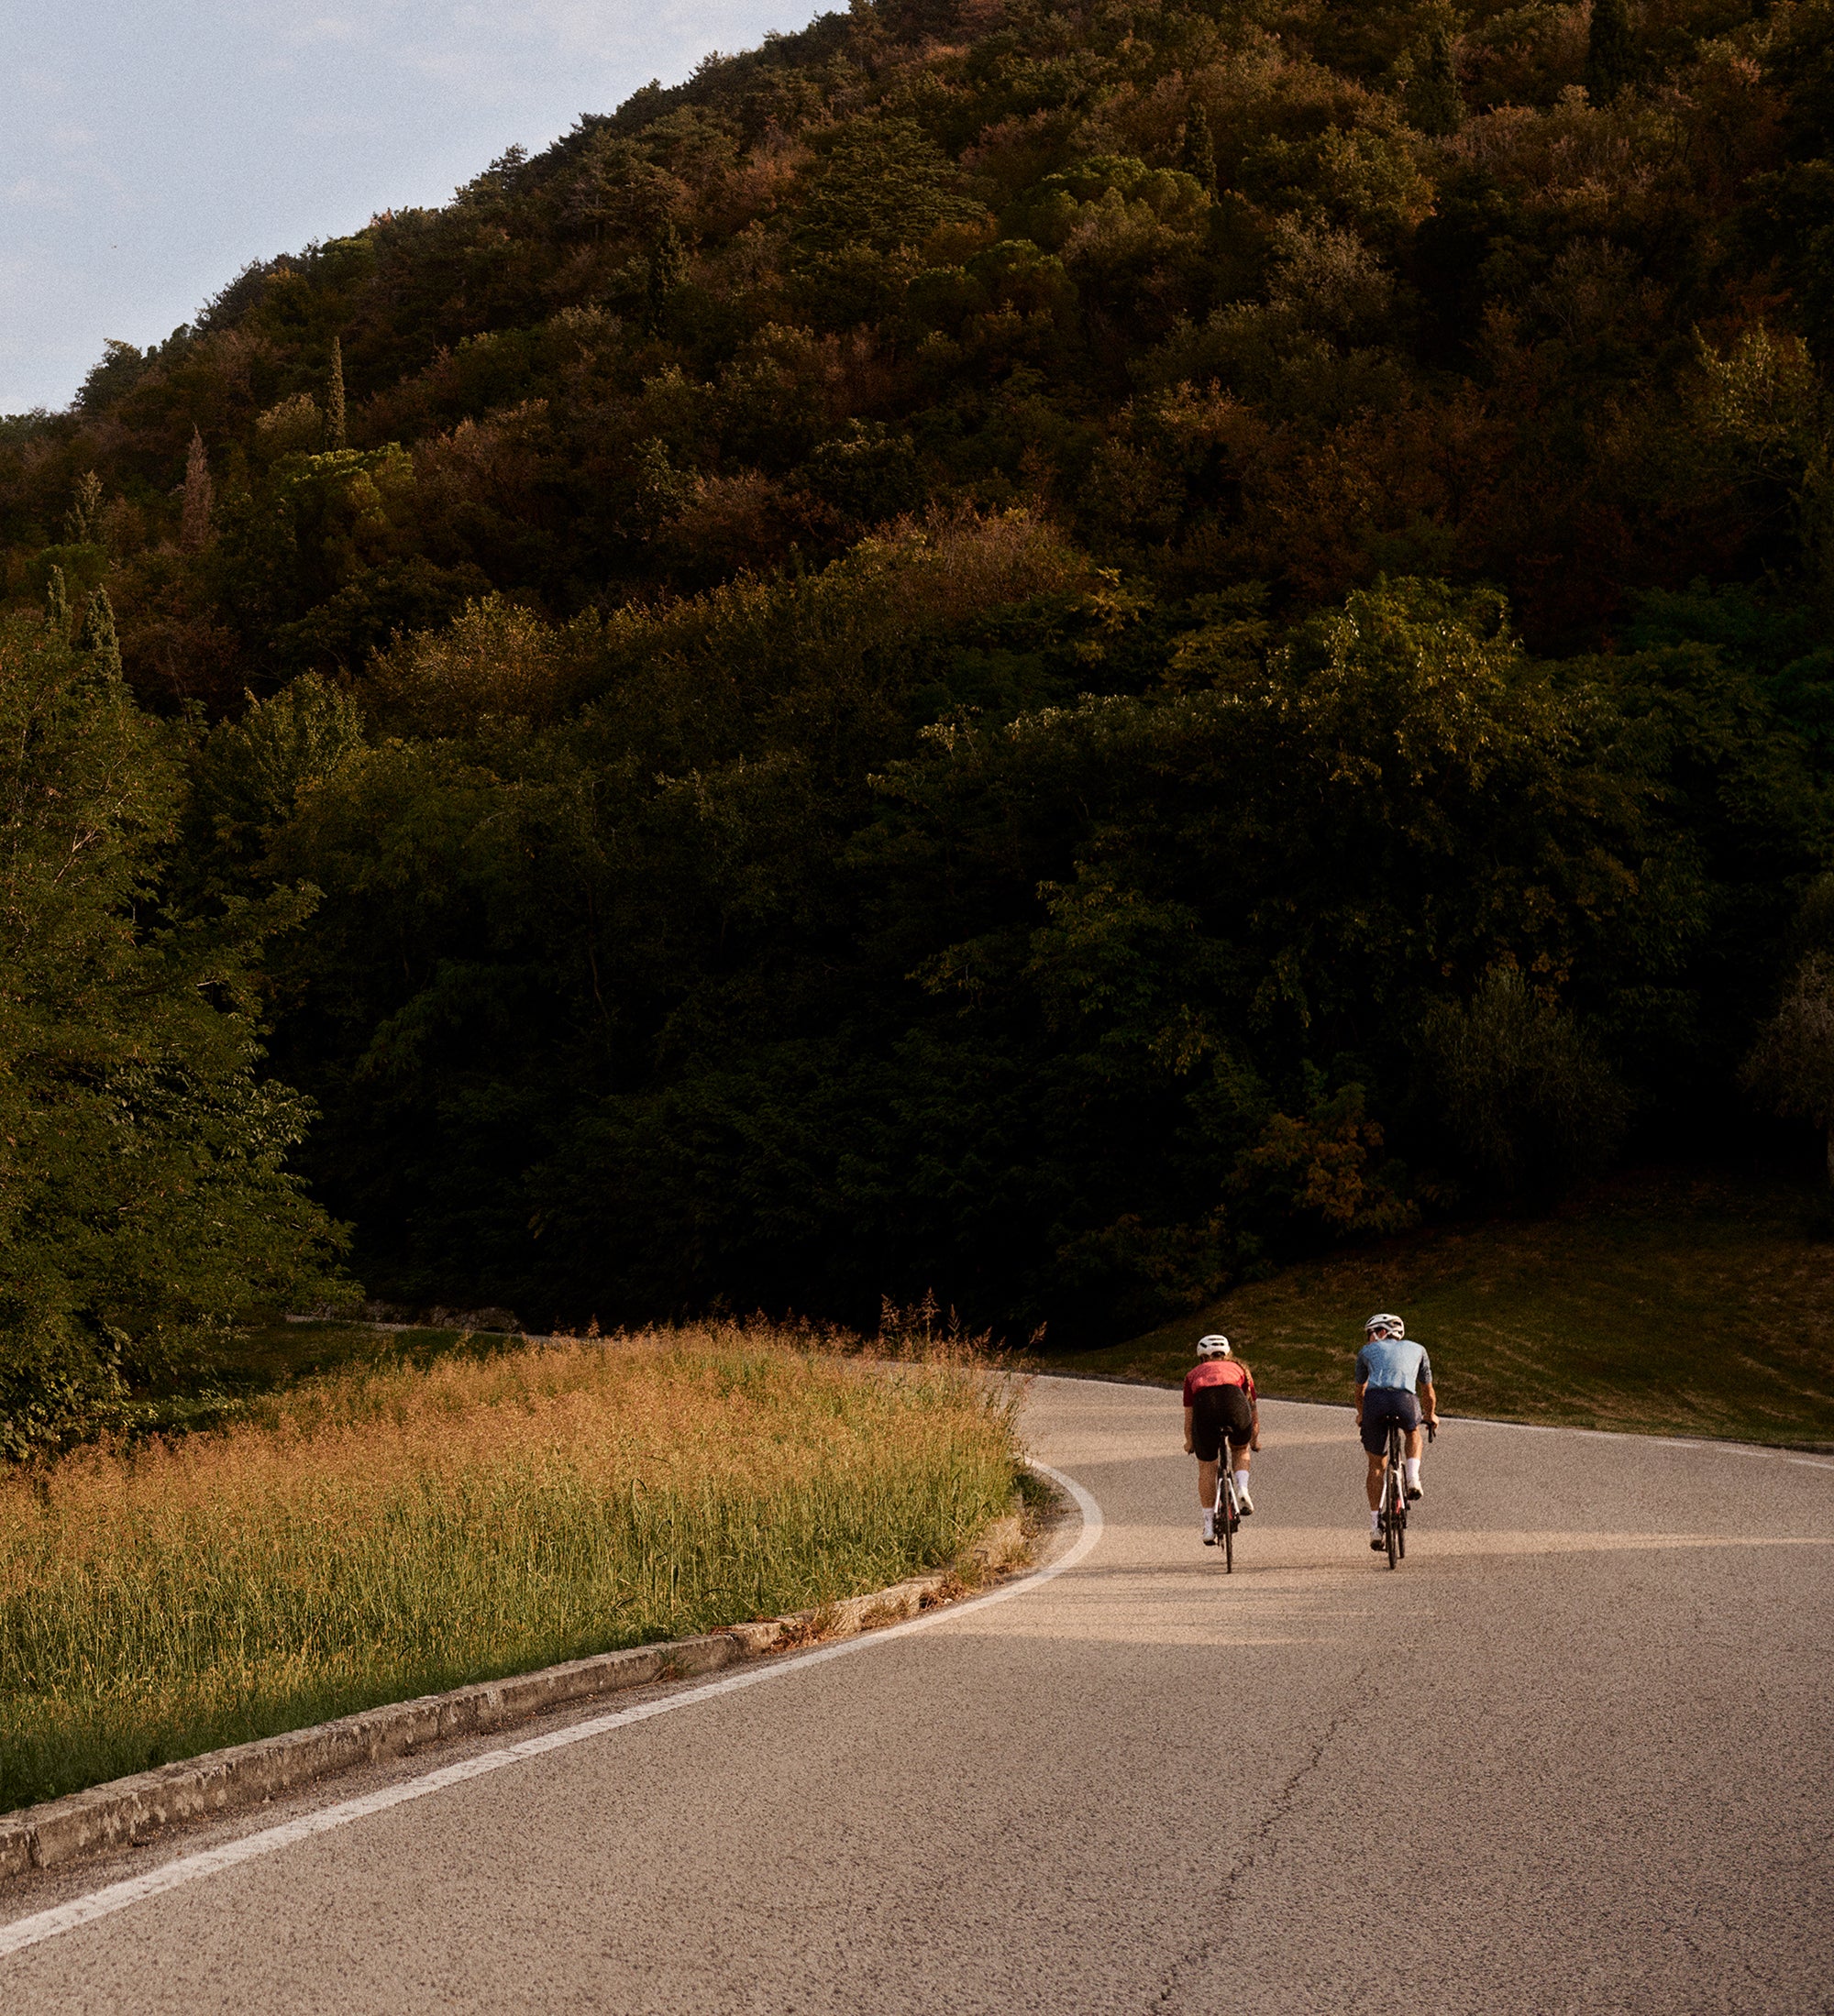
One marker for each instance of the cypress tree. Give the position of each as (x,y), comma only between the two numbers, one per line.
(83,520)
(57,607)
(1610,51)
(98,638)
(1199,149)
(667,265)
(193,530)
(1433,102)
(333,402)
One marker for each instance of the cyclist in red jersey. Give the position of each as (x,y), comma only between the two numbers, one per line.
(1219,1408)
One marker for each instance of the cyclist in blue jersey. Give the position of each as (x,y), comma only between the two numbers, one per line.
(1389,1368)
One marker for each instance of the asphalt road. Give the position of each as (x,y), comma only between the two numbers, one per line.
(1574,1755)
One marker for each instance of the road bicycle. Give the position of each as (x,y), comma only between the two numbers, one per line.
(1228,1511)
(1393,1514)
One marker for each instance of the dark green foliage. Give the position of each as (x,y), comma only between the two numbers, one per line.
(1044,653)
(1198,156)
(1526,1098)
(146,1205)
(1433,102)
(1611,50)
(97,638)
(883,186)
(1085,1005)
(335,416)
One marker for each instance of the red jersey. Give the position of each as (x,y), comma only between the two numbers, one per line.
(1215,1371)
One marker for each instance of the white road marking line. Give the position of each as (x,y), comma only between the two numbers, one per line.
(102,1903)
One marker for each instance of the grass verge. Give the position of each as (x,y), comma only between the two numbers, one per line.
(383,1531)
(1661,1303)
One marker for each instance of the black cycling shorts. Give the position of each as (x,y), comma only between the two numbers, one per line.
(1382,1405)
(1217,1411)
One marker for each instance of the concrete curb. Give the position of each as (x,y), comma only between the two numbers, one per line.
(130,1810)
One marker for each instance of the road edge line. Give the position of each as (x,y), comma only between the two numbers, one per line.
(131,1810)
(34,1930)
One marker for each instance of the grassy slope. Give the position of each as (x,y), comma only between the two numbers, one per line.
(1661,1303)
(440,1518)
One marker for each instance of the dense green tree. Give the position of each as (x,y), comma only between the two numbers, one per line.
(147,1203)
(1792,1064)
(1525,1097)
(628,990)
(917,681)
(1611,50)
(1433,100)
(335,417)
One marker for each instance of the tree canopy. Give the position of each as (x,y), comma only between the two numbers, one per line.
(1048,653)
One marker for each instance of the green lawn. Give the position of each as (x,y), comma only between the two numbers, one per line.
(1662,1302)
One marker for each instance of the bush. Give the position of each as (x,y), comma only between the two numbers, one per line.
(1523,1095)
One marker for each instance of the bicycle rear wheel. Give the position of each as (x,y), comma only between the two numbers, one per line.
(1390,1518)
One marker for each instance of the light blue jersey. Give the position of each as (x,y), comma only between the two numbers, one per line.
(1394,1361)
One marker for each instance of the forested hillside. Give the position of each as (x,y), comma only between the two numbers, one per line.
(1039,652)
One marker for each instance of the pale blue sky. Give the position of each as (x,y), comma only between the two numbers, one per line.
(150,151)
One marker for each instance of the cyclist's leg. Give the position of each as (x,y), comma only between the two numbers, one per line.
(1238,1430)
(1375,1445)
(1207,1446)
(1238,1455)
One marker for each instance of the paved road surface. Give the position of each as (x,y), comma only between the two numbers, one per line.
(1574,1757)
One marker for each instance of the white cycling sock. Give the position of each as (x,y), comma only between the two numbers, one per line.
(1374,1521)
(1241,1481)
(1410,1471)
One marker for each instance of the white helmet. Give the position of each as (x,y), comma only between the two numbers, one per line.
(1213,1347)
(1385,1326)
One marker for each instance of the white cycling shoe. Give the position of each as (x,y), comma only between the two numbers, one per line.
(1210,1528)
(1243,1502)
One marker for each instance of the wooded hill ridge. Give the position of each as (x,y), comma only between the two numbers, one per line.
(1039,652)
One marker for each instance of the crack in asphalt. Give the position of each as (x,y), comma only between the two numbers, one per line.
(1281,1806)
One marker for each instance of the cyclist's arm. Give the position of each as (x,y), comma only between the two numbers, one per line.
(1190,1415)
(1362,1387)
(1432,1404)
(1254,1411)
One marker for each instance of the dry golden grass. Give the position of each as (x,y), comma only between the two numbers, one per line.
(377,1533)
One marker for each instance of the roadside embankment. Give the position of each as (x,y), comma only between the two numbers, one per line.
(132,1810)
(387,1533)
(1662,1301)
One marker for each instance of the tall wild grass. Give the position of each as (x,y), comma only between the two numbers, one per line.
(384,1533)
